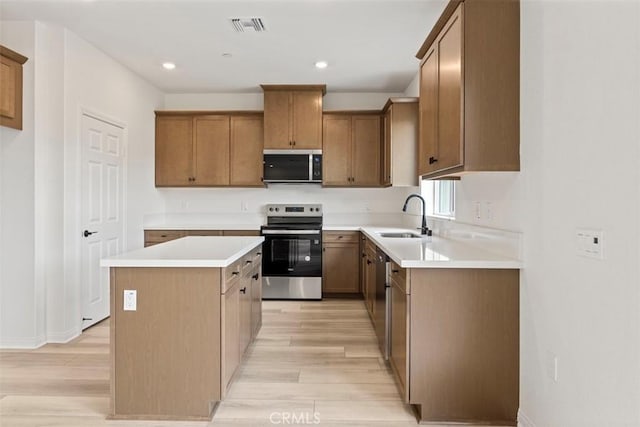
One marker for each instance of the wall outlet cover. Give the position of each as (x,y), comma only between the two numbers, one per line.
(130,300)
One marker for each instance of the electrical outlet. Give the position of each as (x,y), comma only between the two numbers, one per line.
(130,300)
(477,211)
(589,243)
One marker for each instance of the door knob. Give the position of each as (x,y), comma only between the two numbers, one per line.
(88,233)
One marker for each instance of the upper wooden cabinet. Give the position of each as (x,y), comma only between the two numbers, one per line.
(400,142)
(11,88)
(469,90)
(208,149)
(293,116)
(351,150)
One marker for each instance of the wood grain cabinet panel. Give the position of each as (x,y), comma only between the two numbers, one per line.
(341,263)
(351,150)
(469,90)
(464,345)
(174,151)
(208,150)
(400,142)
(230,314)
(11,88)
(336,150)
(211,150)
(400,337)
(293,116)
(247,134)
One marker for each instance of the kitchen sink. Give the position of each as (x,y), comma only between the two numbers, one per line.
(400,235)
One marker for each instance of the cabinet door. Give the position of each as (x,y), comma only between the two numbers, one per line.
(371,284)
(366,150)
(340,265)
(10,93)
(428,110)
(336,152)
(245,313)
(277,118)
(399,321)
(211,150)
(386,147)
(256,301)
(247,135)
(174,151)
(450,94)
(307,119)
(230,333)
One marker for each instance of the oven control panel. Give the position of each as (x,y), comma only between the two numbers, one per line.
(294,210)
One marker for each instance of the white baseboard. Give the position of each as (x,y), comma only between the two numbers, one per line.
(63,337)
(524,421)
(22,342)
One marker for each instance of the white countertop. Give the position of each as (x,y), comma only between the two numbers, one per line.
(192,251)
(437,253)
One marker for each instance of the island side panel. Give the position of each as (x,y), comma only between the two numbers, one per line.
(464,362)
(166,354)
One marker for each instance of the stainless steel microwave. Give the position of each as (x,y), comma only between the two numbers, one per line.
(293,166)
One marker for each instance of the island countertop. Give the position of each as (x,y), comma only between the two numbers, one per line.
(192,251)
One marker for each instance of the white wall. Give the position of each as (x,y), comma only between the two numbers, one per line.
(254,101)
(580,113)
(96,82)
(18,324)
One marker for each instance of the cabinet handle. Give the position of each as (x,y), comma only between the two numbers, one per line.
(364,255)
(235,273)
(432,160)
(395,271)
(294,143)
(255,276)
(248,261)
(243,290)
(340,237)
(258,253)
(368,262)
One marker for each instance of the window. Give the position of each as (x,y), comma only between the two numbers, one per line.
(440,197)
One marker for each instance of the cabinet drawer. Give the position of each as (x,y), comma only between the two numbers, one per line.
(340,236)
(232,274)
(159,236)
(399,276)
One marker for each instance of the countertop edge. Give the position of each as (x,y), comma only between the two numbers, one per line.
(183,263)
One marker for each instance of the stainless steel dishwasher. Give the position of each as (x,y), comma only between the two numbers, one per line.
(383,303)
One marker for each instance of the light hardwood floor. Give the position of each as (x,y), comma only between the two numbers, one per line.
(311,360)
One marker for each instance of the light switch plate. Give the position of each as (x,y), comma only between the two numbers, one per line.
(589,243)
(130,300)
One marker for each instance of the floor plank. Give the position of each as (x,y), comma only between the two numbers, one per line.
(310,359)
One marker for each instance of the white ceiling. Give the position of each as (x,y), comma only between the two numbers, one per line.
(370,45)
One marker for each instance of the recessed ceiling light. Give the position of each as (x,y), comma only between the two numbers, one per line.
(169,65)
(321,64)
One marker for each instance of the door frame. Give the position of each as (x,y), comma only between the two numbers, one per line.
(77,188)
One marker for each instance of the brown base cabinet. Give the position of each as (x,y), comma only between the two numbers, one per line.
(153,237)
(341,262)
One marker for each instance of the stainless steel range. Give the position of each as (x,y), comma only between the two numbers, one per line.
(292,252)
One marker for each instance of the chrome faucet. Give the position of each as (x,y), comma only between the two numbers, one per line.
(424,230)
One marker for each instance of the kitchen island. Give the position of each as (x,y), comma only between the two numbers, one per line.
(182,315)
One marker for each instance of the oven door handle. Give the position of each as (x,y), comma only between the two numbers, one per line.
(289,232)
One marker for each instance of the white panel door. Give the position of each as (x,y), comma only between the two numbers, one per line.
(102,212)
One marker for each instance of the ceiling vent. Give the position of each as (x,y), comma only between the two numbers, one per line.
(242,25)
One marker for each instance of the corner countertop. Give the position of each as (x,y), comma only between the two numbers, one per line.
(436,253)
(192,251)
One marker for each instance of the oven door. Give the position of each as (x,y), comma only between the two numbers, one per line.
(292,253)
